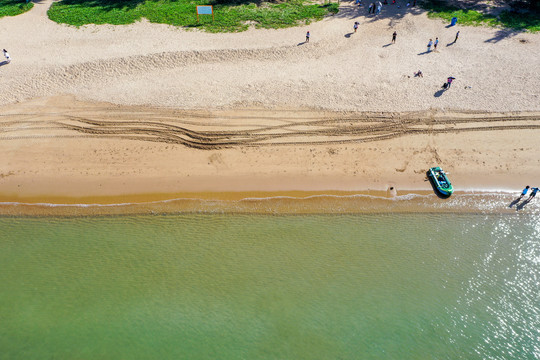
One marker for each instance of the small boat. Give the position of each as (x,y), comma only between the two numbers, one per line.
(440,181)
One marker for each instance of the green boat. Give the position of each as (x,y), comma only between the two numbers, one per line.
(440,181)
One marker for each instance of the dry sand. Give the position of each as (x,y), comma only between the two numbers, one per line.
(152,64)
(190,112)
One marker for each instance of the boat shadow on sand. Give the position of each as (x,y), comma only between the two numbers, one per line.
(434,186)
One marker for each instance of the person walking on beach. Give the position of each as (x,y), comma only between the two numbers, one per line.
(394,37)
(457,36)
(6,55)
(524,192)
(533,193)
(449,81)
(307,36)
(355,27)
(429,45)
(371,8)
(435,44)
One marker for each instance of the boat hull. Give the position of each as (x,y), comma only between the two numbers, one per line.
(440,181)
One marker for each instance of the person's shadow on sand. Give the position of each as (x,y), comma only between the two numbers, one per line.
(302,43)
(524,203)
(439,93)
(450,44)
(348,35)
(3,63)
(424,53)
(515,202)
(387,45)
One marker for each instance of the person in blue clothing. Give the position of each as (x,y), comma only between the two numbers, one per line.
(429,45)
(524,192)
(533,193)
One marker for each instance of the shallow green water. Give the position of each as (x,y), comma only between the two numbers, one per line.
(413,286)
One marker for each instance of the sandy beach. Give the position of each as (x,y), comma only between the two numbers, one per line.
(144,112)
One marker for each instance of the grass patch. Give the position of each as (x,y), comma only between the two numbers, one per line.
(230,15)
(528,21)
(14,7)
(517,21)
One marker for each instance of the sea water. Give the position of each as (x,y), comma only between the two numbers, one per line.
(207,286)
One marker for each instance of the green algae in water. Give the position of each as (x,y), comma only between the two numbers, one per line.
(404,286)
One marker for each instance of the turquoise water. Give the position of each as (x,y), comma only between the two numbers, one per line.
(393,286)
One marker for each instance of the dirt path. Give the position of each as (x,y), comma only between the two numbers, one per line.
(40,8)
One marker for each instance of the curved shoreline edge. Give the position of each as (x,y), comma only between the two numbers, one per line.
(283,203)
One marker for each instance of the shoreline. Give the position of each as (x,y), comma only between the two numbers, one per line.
(62,151)
(279,203)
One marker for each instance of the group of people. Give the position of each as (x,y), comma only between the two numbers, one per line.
(434,44)
(430,44)
(376,8)
(419,73)
(448,82)
(534,190)
(6,55)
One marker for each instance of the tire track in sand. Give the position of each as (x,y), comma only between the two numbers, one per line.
(210,131)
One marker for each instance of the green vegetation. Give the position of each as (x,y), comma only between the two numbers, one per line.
(230,15)
(14,7)
(518,21)
(529,21)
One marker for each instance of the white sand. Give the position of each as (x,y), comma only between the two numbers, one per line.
(162,65)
